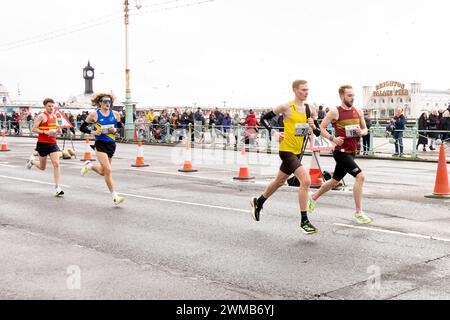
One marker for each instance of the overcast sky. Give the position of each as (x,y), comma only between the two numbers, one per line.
(244,52)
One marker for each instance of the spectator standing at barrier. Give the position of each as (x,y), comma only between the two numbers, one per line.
(79,119)
(212,121)
(174,121)
(320,114)
(218,116)
(226,123)
(446,125)
(199,122)
(17,120)
(188,119)
(236,123)
(150,116)
(423,126)
(433,124)
(140,126)
(366,138)
(198,116)
(251,122)
(399,122)
(2,120)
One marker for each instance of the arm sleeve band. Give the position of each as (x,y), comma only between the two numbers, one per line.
(266,118)
(84,128)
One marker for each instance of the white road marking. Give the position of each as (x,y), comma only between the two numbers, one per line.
(185,203)
(8,165)
(32,181)
(412,235)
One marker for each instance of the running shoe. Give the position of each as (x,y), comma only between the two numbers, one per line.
(85,169)
(308,228)
(59,192)
(311,202)
(256,209)
(362,218)
(29,164)
(118,200)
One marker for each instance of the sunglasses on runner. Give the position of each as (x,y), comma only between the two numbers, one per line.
(106,101)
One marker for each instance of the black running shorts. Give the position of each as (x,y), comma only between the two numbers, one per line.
(44,149)
(290,162)
(106,147)
(345,163)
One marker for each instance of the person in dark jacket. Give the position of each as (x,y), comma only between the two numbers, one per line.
(423,126)
(226,124)
(446,125)
(366,138)
(399,121)
(433,124)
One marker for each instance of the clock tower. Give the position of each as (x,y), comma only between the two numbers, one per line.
(88,75)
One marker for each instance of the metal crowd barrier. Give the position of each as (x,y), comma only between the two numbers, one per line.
(435,136)
(215,136)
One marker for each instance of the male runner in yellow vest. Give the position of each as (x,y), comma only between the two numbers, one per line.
(297,127)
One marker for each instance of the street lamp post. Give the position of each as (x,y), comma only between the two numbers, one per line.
(129,124)
(129,130)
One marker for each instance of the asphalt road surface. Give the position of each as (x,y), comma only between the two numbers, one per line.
(191,236)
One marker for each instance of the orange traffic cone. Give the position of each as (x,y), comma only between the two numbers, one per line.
(4,146)
(244,173)
(140,157)
(441,188)
(187,165)
(314,171)
(87,153)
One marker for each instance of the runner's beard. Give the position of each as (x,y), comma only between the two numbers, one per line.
(348,104)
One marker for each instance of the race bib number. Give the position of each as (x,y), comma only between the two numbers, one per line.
(301,129)
(350,131)
(105,128)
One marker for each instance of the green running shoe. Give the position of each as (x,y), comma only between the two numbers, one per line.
(308,228)
(362,218)
(311,202)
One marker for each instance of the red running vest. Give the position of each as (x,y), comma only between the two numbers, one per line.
(50,124)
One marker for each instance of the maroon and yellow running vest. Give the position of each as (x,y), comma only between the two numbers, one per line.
(345,127)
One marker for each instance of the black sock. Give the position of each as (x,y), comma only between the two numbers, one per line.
(304,216)
(261,201)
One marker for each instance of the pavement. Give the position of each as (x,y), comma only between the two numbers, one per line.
(191,235)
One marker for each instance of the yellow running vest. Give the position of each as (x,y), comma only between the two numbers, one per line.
(295,130)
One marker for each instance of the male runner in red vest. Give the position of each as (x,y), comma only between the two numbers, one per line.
(349,125)
(45,126)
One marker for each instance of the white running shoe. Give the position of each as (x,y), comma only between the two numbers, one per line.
(29,163)
(59,192)
(118,200)
(86,168)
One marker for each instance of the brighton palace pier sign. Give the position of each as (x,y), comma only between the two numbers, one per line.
(398,89)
